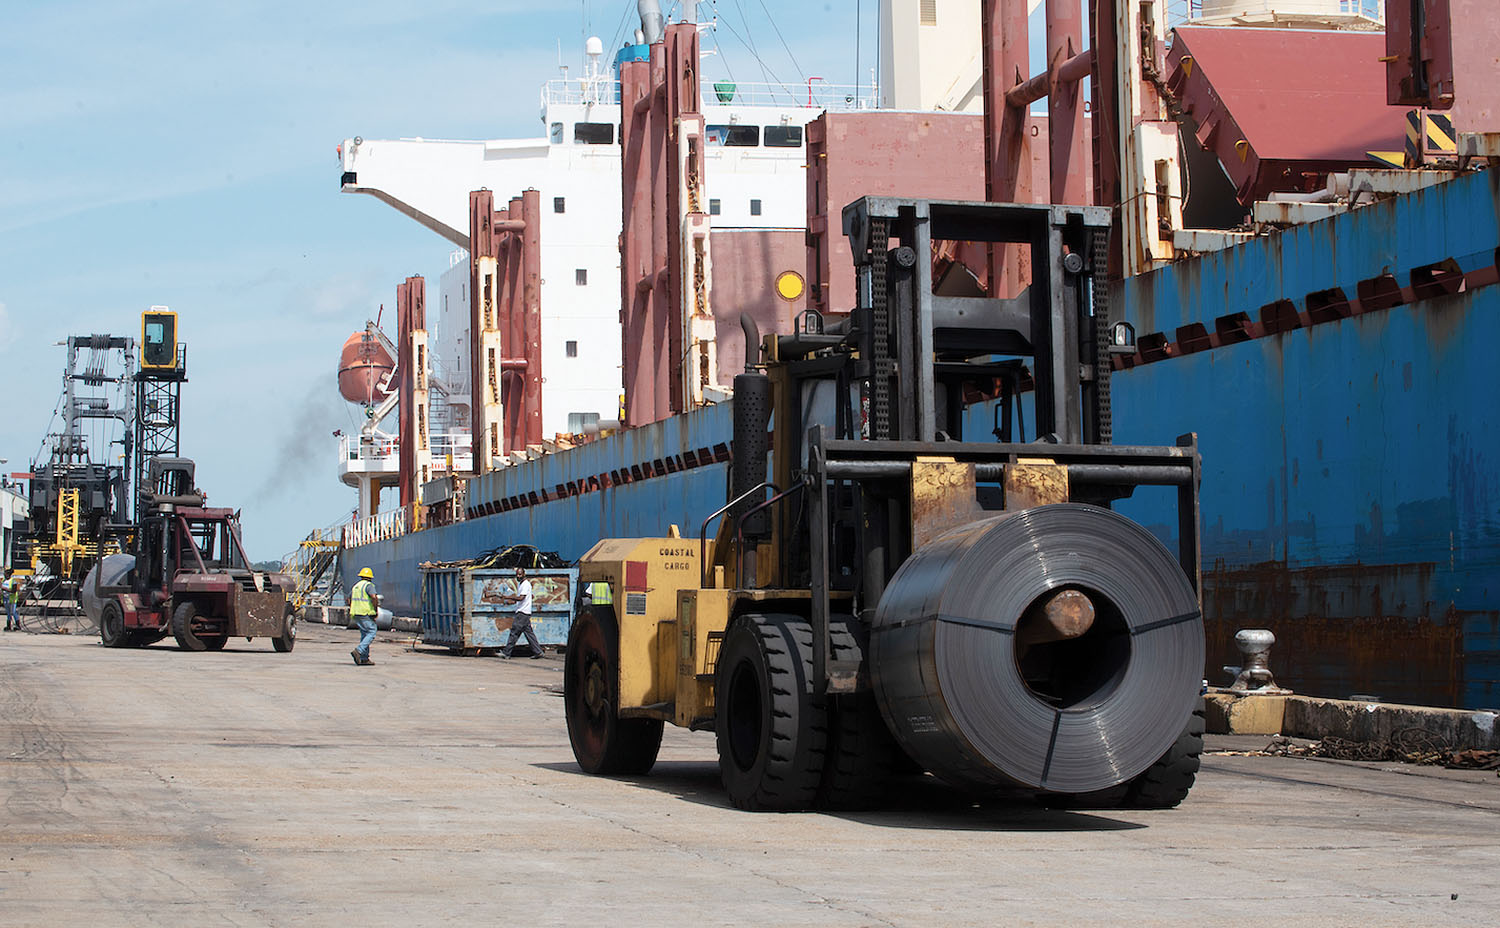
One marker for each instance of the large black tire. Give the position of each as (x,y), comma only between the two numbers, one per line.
(862,754)
(1166,783)
(112,633)
(182,628)
(287,640)
(771,730)
(214,642)
(603,743)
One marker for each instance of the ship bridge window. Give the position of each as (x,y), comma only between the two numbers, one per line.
(783,136)
(559,204)
(755,207)
(556,133)
(594,133)
(579,421)
(713,207)
(733,136)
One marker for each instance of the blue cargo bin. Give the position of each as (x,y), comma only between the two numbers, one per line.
(463,609)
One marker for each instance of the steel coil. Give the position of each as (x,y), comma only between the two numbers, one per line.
(111,570)
(974,703)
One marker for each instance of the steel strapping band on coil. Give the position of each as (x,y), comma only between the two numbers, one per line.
(944,652)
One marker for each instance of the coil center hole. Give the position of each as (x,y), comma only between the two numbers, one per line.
(1072,647)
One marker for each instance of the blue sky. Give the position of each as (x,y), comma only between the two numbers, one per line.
(163,152)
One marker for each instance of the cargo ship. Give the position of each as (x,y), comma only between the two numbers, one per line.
(1312,312)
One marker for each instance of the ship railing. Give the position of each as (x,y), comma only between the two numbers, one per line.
(310,565)
(815,93)
(458,445)
(383,450)
(363,448)
(382,526)
(1359,14)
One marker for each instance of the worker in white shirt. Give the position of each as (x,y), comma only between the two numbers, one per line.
(520,624)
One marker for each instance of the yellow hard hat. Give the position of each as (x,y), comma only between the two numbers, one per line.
(367,573)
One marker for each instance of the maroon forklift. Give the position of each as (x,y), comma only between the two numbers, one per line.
(188,575)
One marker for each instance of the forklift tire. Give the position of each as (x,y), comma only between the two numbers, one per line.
(771,730)
(288,637)
(214,642)
(182,628)
(112,633)
(1163,785)
(603,743)
(1166,783)
(862,756)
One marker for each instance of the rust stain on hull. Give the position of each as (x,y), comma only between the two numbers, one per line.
(1376,630)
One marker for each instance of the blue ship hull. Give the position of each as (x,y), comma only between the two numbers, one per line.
(636,505)
(1351,467)
(1348,463)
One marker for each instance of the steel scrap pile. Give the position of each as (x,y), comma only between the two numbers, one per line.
(513,556)
(1408,746)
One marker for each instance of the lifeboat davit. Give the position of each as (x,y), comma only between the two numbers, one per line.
(364,365)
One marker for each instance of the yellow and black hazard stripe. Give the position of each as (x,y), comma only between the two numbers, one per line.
(1440,135)
(1413,153)
(1428,133)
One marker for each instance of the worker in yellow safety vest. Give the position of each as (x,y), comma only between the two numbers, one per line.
(364,605)
(599,593)
(12,593)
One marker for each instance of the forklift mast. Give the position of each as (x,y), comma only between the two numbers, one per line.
(896,378)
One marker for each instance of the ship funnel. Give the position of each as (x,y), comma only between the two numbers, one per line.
(651,20)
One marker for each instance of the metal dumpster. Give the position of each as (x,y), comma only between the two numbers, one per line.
(462,608)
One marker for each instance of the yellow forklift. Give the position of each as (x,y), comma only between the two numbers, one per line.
(884,593)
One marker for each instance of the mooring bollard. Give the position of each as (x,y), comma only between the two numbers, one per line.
(1255,673)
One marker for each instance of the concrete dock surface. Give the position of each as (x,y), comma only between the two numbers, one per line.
(246,787)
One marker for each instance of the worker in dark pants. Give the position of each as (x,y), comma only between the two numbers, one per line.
(520,624)
(364,604)
(12,594)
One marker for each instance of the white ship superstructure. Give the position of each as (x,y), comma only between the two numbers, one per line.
(755,178)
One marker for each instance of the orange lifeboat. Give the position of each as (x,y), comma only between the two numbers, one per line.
(363,365)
